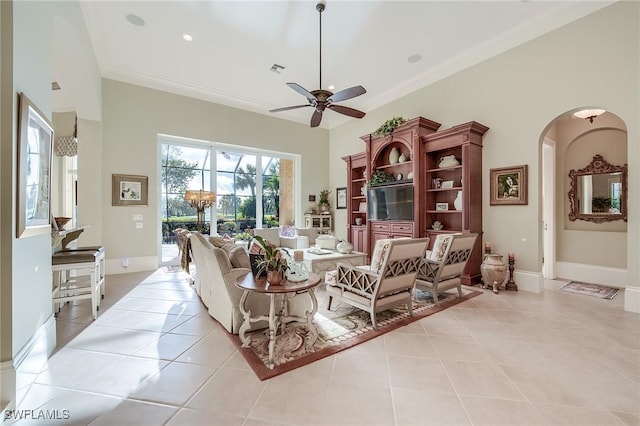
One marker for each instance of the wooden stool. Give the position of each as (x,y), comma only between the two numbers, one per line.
(87,281)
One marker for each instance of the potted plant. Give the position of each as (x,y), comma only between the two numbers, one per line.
(388,126)
(273,262)
(380,177)
(323,203)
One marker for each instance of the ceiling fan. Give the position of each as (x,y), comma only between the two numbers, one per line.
(322,99)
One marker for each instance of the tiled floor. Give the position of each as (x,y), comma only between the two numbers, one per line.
(155,357)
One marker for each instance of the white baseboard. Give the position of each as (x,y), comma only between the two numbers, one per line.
(135,264)
(30,360)
(529,281)
(632,299)
(7,386)
(611,277)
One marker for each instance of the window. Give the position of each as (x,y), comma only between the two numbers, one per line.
(253,189)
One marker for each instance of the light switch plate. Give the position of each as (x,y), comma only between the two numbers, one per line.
(137,217)
(138,225)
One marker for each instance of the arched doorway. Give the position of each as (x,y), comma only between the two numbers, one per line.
(589,251)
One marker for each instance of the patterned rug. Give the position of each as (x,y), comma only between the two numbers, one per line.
(339,329)
(587,289)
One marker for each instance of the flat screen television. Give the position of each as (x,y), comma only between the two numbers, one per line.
(393,202)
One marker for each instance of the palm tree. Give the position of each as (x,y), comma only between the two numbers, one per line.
(246,179)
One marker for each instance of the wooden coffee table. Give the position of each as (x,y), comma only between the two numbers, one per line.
(280,316)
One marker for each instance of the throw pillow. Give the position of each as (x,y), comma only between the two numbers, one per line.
(222,243)
(440,246)
(288,231)
(380,254)
(239,258)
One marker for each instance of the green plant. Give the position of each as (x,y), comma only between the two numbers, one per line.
(273,258)
(600,204)
(388,126)
(379,177)
(324,198)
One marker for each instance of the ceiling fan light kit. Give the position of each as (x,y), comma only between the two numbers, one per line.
(321,99)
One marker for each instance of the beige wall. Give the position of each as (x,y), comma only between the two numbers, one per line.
(133,116)
(518,94)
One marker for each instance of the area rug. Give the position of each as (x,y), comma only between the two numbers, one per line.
(339,329)
(590,289)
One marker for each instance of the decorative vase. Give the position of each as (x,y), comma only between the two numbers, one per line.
(344,247)
(493,271)
(394,155)
(358,221)
(298,270)
(448,161)
(457,203)
(402,158)
(274,277)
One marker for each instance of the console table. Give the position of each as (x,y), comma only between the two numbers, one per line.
(277,316)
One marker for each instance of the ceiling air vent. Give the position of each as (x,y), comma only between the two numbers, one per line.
(55,86)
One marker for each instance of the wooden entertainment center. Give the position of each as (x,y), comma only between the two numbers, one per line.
(440,165)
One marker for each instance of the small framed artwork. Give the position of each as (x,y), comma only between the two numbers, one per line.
(363,207)
(442,206)
(129,190)
(508,186)
(341,198)
(35,139)
(447,184)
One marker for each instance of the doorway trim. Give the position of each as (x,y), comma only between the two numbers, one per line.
(548,208)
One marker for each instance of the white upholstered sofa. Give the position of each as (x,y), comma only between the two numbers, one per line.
(217,265)
(296,238)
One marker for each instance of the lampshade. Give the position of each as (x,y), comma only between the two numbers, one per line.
(589,114)
(199,195)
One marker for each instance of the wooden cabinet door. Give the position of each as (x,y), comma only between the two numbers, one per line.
(359,238)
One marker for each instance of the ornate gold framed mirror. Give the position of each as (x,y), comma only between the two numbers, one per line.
(598,192)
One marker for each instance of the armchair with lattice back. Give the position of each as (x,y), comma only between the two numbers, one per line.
(443,266)
(384,284)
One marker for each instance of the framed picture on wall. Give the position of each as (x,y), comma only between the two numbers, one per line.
(508,186)
(129,190)
(35,140)
(341,198)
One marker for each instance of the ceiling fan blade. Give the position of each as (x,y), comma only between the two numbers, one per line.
(316,118)
(349,93)
(304,92)
(351,112)
(288,108)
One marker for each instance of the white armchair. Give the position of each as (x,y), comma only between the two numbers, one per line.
(386,283)
(442,269)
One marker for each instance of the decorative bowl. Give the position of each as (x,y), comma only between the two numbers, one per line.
(437,225)
(61,222)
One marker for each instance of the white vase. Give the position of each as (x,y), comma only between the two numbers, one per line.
(344,247)
(448,161)
(394,155)
(402,158)
(457,203)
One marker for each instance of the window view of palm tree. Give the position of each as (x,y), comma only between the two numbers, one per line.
(271,192)
(236,190)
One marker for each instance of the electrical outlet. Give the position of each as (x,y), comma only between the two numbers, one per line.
(124,262)
(138,225)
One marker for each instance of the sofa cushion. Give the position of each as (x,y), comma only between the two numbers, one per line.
(223,260)
(239,258)
(310,233)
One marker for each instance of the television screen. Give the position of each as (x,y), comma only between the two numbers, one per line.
(394,202)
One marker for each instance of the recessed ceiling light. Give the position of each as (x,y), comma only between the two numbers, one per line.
(414,58)
(187,37)
(135,20)
(331,87)
(277,68)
